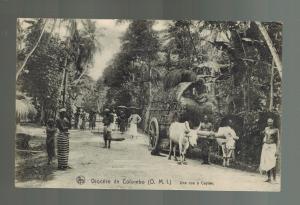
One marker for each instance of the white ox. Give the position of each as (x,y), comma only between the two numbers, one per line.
(181,135)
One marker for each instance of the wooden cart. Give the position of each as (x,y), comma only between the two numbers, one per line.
(189,100)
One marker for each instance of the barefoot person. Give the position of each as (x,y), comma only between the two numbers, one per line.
(133,120)
(226,139)
(269,151)
(122,122)
(62,140)
(50,131)
(107,129)
(83,120)
(114,125)
(205,142)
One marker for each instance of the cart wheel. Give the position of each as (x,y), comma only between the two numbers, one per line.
(153,134)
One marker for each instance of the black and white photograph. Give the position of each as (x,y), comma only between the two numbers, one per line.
(148,104)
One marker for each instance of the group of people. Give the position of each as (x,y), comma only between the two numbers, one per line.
(227,143)
(80,120)
(269,153)
(62,125)
(111,121)
(268,158)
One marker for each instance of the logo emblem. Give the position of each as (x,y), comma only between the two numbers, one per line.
(80,179)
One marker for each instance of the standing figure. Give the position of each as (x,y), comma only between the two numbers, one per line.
(133,120)
(76,120)
(269,151)
(122,122)
(94,118)
(62,140)
(50,131)
(114,123)
(83,120)
(228,143)
(90,120)
(107,129)
(79,118)
(205,142)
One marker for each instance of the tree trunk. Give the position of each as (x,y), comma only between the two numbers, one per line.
(271,87)
(248,90)
(75,82)
(42,119)
(271,47)
(147,115)
(98,105)
(245,97)
(64,89)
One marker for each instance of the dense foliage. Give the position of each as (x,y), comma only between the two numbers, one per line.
(128,74)
(53,58)
(246,81)
(233,58)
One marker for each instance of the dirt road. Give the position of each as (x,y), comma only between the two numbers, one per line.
(129,165)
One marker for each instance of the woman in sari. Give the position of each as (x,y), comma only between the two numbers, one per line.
(114,125)
(133,120)
(62,140)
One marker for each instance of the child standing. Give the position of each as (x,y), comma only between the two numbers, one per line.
(50,131)
(107,127)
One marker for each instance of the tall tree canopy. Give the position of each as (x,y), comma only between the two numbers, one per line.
(45,55)
(128,73)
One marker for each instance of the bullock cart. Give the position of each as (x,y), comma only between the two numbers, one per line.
(188,101)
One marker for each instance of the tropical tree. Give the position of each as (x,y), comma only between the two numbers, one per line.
(131,67)
(50,61)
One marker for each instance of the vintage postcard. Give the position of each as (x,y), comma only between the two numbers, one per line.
(148,104)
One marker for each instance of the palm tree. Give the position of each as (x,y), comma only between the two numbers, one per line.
(32,50)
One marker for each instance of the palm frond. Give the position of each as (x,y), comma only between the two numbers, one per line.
(24,107)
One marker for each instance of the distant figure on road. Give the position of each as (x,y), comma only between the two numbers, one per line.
(62,140)
(269,151)
(133,120)
(50,131)
(205,142)
(114,123)
(92,120)
(122,122)
(76,120)
(83,120)
(107,129)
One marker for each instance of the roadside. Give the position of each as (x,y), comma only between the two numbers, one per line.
(127,162)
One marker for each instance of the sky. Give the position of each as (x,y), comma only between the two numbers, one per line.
(110,43)
(109,40)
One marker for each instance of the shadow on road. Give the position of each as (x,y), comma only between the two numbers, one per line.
(34,168)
